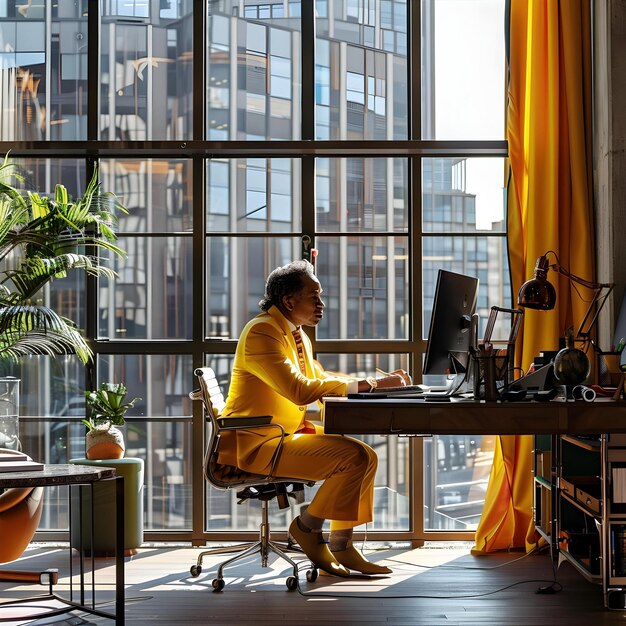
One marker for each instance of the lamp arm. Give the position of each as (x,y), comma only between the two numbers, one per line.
(559,269)
(589,321)
(602,292)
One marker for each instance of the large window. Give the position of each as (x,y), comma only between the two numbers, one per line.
(366,135)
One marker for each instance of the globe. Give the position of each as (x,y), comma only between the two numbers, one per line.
(571,366)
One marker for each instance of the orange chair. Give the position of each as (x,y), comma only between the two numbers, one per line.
(20,512)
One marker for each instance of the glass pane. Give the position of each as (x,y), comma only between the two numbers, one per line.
(42,175)
(51,387)
(363,365)
(361,70)
(253,71)
(480,256)
(152,295)
(253,195)
(157,194)
(361,195)
(236,270)
(463,69)
(366,287)
(463,195)
(167,484)
(43,71)
(163,383)
(456,473)
(146,71)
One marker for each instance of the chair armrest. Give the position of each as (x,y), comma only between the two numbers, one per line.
(254,423)
(233,422)
(13,496)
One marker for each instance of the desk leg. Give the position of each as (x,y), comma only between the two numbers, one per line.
(119,552)
(78,492)
(555,472)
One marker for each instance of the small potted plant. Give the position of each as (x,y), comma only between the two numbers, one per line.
(107,411)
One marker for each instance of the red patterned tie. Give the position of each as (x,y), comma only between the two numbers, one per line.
(300,349)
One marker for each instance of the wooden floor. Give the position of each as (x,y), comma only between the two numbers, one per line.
(429,586)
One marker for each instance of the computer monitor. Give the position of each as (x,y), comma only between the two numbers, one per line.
(452,325)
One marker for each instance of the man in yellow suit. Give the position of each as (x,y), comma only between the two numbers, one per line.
(274,373)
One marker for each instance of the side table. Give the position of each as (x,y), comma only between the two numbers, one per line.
(132,470)
(74,475)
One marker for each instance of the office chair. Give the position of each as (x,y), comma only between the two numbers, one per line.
(253,486)
(20,512)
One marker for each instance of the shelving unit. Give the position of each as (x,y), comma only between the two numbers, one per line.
(580,506)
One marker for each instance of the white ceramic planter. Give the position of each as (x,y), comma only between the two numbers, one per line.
(104,442)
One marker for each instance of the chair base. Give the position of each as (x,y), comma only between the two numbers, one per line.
(48,577)
(264,546)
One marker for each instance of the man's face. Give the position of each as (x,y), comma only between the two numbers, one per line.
(306,308)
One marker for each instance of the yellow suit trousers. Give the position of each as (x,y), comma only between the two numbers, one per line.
(347,467)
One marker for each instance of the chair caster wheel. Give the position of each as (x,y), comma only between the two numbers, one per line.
(311,575)
(195,570)
(292,583)
(218,584)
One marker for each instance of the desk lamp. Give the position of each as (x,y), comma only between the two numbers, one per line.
(539,293)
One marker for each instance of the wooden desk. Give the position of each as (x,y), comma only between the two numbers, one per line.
(603,417)
(402,416)
(75,476)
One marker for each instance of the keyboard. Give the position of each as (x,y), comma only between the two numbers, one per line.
(415,389)
(404,389)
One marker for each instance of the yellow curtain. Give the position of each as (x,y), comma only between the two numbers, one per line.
(549,208)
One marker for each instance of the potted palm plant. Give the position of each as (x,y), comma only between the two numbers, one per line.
(107,411)
(42,239)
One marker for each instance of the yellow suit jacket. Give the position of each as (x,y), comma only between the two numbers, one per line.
(266,380)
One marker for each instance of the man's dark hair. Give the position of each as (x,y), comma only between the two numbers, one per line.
(285,281)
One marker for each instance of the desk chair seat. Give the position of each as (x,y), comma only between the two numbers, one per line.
(250,486)
(20,512)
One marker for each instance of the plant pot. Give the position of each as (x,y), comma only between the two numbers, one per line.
(104,442)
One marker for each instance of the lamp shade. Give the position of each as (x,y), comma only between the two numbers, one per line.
(538,292)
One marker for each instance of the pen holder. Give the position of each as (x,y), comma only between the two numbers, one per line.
(488,369)
(609,372)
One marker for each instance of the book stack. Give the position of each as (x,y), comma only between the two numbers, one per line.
(14,461)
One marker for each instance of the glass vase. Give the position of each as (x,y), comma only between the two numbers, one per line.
(9,413)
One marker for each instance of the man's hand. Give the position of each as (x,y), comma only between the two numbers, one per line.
(393,380)
(405,376)
(397,378)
